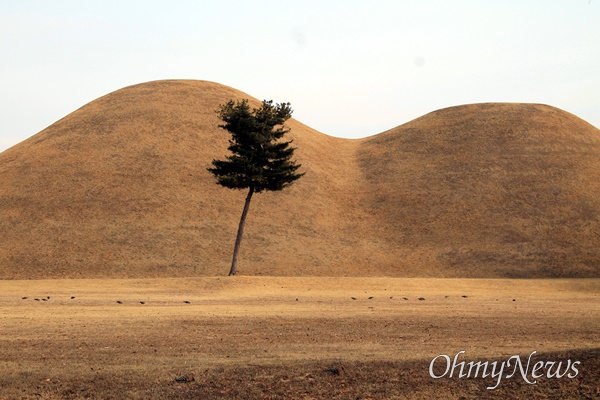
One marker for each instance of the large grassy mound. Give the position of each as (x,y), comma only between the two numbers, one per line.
(119,188)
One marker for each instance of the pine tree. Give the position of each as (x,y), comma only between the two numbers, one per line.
(259,161)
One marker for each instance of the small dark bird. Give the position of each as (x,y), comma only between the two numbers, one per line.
(296,299)
(186,302)
(72,297)
(371,298)
(335,370)
(405,298)
(391,297)
(48,297)
(464,296)
(119,302)
(185,378)
(514,299)
(44,299)
(37,299)
(142,302)
(421,298)
(24,298)
(353,298)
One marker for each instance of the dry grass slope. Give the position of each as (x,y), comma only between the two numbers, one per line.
(507,190)
(119,188)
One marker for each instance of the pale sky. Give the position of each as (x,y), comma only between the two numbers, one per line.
(349,68)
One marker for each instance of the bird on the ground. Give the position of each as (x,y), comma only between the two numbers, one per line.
(142,302)
(119,302)
(421,298)
(335,370)
(24,298)
(185,378)
(72,297)
(186,302)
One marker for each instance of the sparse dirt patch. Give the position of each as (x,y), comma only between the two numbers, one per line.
(266,337)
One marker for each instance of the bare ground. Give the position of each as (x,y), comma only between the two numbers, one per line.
(267,337)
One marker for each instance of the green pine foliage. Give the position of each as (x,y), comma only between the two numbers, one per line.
(258,160)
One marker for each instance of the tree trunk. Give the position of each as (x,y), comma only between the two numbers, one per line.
(238,239)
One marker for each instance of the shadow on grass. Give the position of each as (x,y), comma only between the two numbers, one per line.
(317,380)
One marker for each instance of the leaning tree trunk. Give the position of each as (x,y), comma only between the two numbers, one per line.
(238,239)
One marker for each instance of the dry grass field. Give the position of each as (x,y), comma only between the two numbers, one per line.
(283,337)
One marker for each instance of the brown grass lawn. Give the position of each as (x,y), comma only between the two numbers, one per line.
(268,337)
